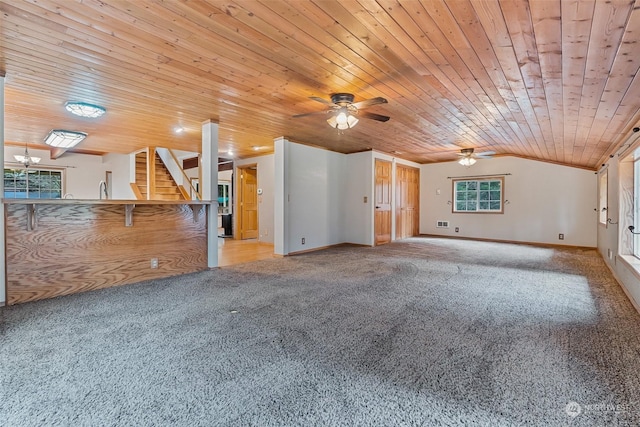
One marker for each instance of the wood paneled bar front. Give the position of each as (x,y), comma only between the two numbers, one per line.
(61,247)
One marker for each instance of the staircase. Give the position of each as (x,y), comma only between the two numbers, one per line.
(165,186)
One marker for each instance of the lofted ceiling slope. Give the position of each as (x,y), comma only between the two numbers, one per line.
(548,79)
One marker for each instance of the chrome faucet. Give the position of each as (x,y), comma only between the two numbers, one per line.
(103,190)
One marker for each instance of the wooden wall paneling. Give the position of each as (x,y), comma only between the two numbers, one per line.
(551,80)
(444,76)
(613,112)
(81,247)
(517,19)
(609,21)
(575,45)
(547,27)
(471,71)
(173,74)
(394,36)
(177,37)
(488,65)
(333,48)
(318,37)
(485,68)
(413,83)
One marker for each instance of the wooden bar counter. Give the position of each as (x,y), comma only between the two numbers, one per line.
(60,247)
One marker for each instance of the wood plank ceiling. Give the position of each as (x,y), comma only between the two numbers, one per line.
(546,79)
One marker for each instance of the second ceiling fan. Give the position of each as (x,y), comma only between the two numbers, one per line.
(344,113)
(468,156)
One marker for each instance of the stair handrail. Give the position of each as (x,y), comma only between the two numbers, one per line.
(185,177)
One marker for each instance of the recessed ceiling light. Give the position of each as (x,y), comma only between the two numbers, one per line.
(64,138)
(178,129)
(83,109)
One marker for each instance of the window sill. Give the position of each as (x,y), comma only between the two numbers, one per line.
(632,263)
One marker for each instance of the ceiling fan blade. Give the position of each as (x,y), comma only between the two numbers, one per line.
(485,154)
(322,101)
(315,113)
(373,116)
(369,102)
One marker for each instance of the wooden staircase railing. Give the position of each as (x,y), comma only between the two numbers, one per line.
(153,180)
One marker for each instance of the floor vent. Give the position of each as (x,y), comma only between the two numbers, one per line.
(442,224)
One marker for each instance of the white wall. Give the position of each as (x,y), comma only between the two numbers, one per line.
(309,197)
(316,211)
(358,226)
(83,172)
(119,165)
(266,183)
(544,201)
(626,268)
(323,196)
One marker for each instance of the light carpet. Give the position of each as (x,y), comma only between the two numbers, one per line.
(421,332)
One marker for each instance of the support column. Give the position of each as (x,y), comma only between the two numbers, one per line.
(281,197)
(209,187)
(3,243)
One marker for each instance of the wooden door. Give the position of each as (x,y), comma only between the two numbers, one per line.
(407,201)
(248,225)
(382,202)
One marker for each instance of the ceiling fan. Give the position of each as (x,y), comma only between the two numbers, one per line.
(468,156)
(344,113)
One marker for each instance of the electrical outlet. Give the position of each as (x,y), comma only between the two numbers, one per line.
(154,262)
(561,236)
(303,240)
(457,229)
(365,199)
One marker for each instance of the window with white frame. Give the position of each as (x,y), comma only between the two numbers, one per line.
(636,207)
(478,195)
(603,182)
(23,183)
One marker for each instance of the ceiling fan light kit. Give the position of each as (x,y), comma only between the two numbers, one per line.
(342,120)
(468,156)
(467,161)
(343,112)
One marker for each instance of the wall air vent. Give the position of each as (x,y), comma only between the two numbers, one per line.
(442,224)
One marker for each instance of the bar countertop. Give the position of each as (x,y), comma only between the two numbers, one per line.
(103,202)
